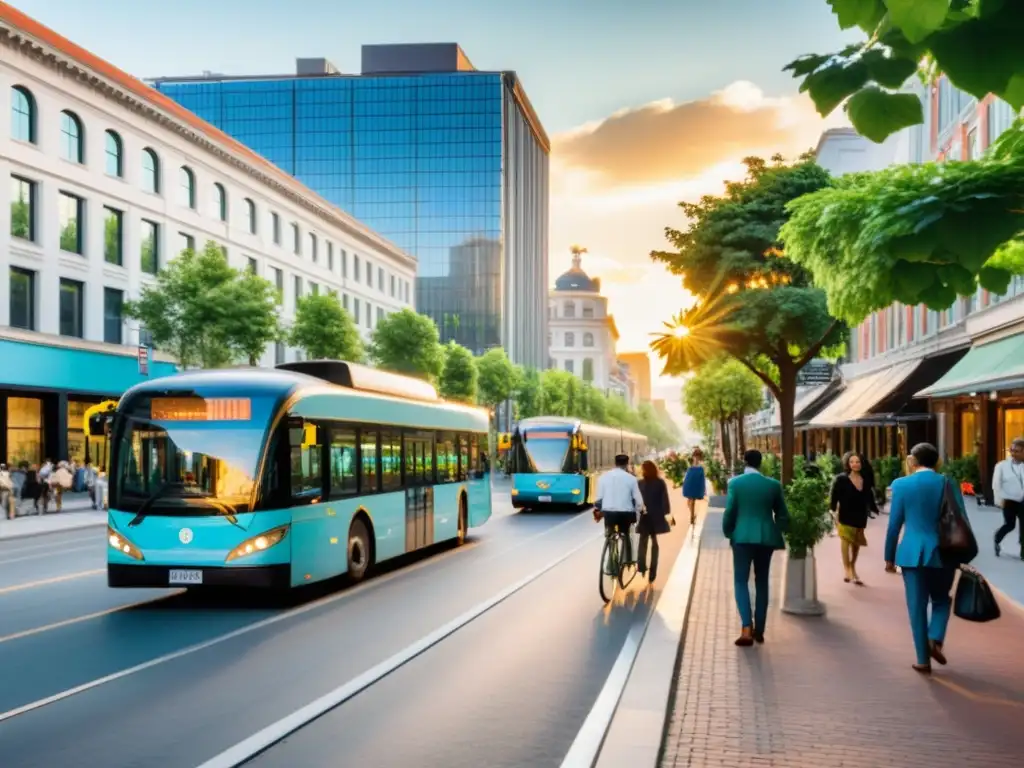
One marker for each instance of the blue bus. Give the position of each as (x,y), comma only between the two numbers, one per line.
(556,460)
(283,477)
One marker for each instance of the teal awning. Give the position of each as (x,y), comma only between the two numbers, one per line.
(998,365)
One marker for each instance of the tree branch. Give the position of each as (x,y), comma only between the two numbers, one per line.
(763,377)
(815,348)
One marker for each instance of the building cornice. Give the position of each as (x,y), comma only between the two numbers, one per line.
(242,158)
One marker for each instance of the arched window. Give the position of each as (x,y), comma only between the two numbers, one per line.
(570,339)
(187,187)
(569,310)
(150,171)
(588,309)
(23,115)
(588,339)
(588,369)
(312,247)
(250,216)
(220,202)
(115,156)
(72,137)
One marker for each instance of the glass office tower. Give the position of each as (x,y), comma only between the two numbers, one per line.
(448,162)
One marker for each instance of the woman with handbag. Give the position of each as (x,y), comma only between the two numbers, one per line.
(920,505)
(655,519)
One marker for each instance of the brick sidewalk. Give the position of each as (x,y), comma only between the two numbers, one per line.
(838,691)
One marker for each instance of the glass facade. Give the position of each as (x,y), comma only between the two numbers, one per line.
(437,163)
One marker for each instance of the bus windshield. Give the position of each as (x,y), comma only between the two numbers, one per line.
(547,451)
(175,463)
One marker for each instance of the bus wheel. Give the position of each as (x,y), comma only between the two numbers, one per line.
(359,549)
(463,521)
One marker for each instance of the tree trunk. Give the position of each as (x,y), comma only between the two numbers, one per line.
(726,445)
(787,404)
(741,437)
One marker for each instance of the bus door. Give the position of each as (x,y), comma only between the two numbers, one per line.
(418,456)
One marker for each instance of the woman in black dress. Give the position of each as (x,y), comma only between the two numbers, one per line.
(655,520)
(853,500)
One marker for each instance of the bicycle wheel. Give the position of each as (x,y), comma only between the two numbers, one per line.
(609,575)
(627,562)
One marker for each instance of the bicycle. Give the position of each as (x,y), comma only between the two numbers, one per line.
(617,559)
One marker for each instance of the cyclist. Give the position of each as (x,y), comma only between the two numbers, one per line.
(618,500)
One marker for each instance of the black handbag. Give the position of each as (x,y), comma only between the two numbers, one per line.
(957,545)
(974,600)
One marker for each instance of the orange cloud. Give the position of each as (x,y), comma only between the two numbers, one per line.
(665,141)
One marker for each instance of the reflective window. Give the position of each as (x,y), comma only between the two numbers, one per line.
(253,266)
(344,470)
(355,267)
(464,465)
(344,262)
(185,243)
(113,236)
(113,316)
(23,299)
(380,279)
(114,152)
(150,171)
(296,240)
(447,458)
(588,369)
(149,254)
(368,460)
(71,298)
(391,460)
(186,187)
(23,208)
(24,430)
(312,248)
(72,137)
(330,254)
(306,456)
(250,216)
(275,225)
(418,458)
(23,115)
(220,202)
(70,213)
(588,339)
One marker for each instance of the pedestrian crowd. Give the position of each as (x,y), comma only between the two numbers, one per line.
(27,489)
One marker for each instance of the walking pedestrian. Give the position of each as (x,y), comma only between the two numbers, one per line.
(755,518)
(654,520)
(1008,493)
(695,483)
(852,500)
(916,510)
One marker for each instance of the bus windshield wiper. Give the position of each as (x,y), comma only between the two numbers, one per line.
(140,515)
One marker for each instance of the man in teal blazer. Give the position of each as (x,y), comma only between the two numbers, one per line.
(755,517)
(915,510)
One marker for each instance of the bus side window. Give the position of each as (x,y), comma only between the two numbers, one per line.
(475,463)
(307,449)
(391,460)
(447,458)
(369,473)
(464,465)
(344,469)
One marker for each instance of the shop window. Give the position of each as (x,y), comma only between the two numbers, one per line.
(968,431)
(24,430)
(76,430)
(1013,428)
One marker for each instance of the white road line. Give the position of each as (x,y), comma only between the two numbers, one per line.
(586,747)
(322,602)
(273,733)
(48,545)
(96,545)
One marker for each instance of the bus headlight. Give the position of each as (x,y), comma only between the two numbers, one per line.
(575,491)
(258,543)
(122,545)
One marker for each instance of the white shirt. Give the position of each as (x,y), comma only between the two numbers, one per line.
(618,491)
(1008,481)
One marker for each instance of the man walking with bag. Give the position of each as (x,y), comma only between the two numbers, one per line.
(1008,493)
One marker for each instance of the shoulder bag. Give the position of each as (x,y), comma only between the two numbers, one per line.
(957,545)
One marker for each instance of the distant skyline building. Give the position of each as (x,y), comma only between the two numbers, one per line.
(448,162)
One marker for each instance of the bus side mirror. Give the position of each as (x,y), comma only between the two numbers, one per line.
(97,425)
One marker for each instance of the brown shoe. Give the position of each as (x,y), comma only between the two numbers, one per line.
(935,651)
(758,637)
(924,669)
(746,638)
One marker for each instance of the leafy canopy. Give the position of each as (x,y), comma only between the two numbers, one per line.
(207,314)
(914,234)
(408,343)
(722,390)
(459,375)
(496,377)
(975,43)
(323,330)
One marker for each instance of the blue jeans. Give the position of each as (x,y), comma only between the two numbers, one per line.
(924,585)
(759,556)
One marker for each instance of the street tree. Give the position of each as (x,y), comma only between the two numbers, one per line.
(324,330)
(527,392)
(408,343)
(459,375)
(975,43)
(496,378)
(752,302)
(723,391)
(206,313)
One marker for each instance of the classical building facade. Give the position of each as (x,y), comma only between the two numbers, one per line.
(102,181)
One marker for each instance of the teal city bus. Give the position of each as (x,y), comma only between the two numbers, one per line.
(283,477)
(556,460)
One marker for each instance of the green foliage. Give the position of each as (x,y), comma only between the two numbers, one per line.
(975,43)
(324,330)
(830,466)
(459,375)
(408,343)
(674,467)
(21,219)
(69,240)
(718,474)
(963,470)
(722,390)
(207,314)
(914,234)
(528,395)
(809,520)
(496,377)
(771,466)
(887,469)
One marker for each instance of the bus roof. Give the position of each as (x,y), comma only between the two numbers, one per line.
(574,424)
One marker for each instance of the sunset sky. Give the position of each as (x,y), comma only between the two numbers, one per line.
(648,102)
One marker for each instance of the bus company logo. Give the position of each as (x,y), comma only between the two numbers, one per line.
(185,536)
(542,485)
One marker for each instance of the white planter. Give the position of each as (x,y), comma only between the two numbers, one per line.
(800,587)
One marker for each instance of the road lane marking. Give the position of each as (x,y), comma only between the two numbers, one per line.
(78,619)
(263,739)
(47,545)
(54,553)
(586,747)
(53,580)
(321,603)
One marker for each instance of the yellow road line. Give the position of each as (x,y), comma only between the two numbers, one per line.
(981,698)
(54,580)
(87,617)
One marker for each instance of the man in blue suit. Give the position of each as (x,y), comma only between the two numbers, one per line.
(916,509)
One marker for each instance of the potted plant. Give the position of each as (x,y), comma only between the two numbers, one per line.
(674,465)
(809,523)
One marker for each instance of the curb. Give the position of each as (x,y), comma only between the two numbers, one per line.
(74,527)
(626,725)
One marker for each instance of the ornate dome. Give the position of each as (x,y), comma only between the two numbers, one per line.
(576,279)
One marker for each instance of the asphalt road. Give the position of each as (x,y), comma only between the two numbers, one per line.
(98,678)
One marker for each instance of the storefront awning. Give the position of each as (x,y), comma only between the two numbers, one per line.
(861,395)
(806,398)
(998,365)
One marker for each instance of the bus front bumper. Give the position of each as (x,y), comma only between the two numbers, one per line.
(159,576)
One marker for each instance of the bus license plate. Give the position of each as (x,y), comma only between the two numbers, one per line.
(185,577)
(543,498)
